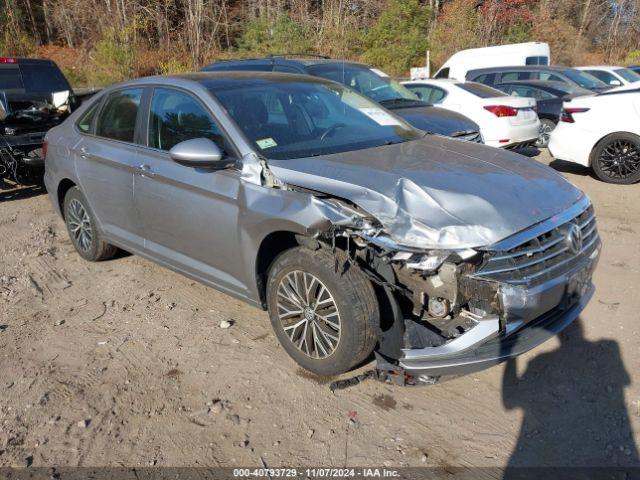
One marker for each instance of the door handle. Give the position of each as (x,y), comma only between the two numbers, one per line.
(84,153)
(145,170)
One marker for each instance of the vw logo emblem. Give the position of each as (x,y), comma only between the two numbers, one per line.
(573,240)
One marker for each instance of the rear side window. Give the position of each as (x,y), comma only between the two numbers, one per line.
(511,76)
(10,78)
(537,60)
(606,77)
(444,73)
(43,78)
(177,116)
(117,119)
(549,76)
(486,78)
(85,122)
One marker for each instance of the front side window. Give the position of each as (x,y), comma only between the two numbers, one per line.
(629,75)
(605,77)
(423,92)
(584,79)
(117,119)
(294,119)
(549,76)
(176,116)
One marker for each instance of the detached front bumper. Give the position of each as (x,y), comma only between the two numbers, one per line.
(531,316)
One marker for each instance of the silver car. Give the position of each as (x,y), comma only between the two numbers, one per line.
(356,232)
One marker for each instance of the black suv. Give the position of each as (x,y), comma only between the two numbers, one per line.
(34,97)
(497,75)
(370,82)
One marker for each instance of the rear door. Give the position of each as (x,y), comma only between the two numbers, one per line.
(105,158)
(188,216)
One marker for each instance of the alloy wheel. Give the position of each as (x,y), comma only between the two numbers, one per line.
(544,134)
(80,225)
(308,314)
(620,159)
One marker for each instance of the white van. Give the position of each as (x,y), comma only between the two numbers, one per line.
(516,54)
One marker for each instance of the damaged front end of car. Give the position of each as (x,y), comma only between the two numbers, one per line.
(449,311)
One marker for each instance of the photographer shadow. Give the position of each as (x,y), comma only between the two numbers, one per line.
(574,412)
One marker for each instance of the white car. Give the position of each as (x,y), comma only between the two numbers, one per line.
(505,121)
(602,132)
(614,76)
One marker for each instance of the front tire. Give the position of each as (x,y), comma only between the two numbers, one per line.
(324,319)
(616,159)
(82,229)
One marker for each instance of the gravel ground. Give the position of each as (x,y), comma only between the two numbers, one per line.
(124,363)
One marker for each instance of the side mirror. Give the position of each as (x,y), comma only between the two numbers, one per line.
(616,83)
(418,94)
(4,106)
(199,152)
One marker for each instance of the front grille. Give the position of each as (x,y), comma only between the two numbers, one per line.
(469,136)
(543,257)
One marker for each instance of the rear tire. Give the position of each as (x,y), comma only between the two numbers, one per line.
(82,228)
(546,127)
(325,320)
(616,159)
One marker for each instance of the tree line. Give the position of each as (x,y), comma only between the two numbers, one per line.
(102,41)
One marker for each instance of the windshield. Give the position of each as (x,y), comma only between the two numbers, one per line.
(629,75)
(584,79)
(284,120)
(370,82)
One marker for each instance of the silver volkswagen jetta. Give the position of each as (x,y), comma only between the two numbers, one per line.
(356,231)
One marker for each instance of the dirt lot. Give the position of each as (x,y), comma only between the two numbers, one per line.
(123,363)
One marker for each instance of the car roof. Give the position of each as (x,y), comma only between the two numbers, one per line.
(602,67)
(532,68)
(222,79)
(26,61)
(285,60)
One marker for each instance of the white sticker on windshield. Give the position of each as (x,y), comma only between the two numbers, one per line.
(266,143)
(379,116)
(380,73)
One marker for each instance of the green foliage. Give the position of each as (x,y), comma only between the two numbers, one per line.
(262,36)
(22,46)
(518,33)
(76,77)
(113,58)
(173,66)
(633,57)
(398,38)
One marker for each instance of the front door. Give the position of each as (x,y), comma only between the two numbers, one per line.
(188,216)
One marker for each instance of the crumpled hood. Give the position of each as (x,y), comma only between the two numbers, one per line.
(437,192)
(436,120)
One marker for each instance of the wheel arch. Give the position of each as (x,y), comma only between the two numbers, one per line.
(63,187)
(272,245)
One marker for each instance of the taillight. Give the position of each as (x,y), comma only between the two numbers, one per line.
(502,110)
(567,114)
(44,151)
(8,60)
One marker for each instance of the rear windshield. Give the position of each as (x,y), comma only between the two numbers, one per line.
(480,90)
(629,75)
(10,79)
(43,78)
(33,78)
